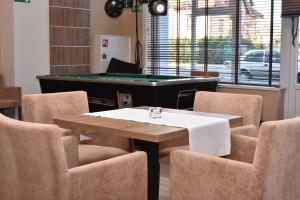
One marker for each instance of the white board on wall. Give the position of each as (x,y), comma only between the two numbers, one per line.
(108,46)
(31,44)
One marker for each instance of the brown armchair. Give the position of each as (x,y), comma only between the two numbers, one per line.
(10,97)
(266,168)
(33,166)
(43,108)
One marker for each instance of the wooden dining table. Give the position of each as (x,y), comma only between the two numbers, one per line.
(146,137)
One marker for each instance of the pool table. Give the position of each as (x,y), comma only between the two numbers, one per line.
(111,91)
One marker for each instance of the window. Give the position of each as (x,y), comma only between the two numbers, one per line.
(235,38)
(298,63)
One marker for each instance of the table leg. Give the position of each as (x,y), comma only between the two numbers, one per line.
(152,150)
(19,113)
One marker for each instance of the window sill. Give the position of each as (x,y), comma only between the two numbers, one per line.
(250,87)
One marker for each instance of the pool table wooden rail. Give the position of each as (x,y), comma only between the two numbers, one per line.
(114,80)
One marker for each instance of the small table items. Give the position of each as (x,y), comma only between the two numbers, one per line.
(209,135)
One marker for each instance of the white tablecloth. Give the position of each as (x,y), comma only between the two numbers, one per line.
(207,135)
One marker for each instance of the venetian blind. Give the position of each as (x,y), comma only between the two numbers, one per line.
(290,8)
(216,35)
(168,39)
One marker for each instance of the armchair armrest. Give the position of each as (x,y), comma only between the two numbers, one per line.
(123,177)
(242,148)
(71,150)
(65,132)
(248,130)
(196,176)
(13,93)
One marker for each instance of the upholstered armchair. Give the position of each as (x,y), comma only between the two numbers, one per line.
(43,108)
(247,106)
(33,166)
(266,168)
(10,97)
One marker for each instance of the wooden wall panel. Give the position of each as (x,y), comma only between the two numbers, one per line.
(70,55)
(69,36)
(70,70)
(69,17)
(71,3)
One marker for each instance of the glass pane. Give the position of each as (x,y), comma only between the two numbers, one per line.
(218,3)
(185,35)
(172,40)
(201,3)
(213,3)
(199,48)
(298,59)
(255,20)
(220,46)
(177,41)
(276,43)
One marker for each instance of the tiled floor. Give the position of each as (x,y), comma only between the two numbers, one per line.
(164,187)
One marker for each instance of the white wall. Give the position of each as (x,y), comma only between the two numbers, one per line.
(31,44)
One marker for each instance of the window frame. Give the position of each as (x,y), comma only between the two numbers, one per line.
(236,25)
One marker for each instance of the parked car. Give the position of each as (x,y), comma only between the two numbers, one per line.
(254,64)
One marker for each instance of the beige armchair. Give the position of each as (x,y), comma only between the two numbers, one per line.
(43,108)
(266,168)
(247,106)
(10,97)
(33,166)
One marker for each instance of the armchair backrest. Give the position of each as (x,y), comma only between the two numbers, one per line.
(247,106)
(43,108)
(277,160)
(32,162)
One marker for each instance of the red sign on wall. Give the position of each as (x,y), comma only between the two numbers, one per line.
(104,43)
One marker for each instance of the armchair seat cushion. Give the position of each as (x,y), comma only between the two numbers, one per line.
(92,153)
(165,153)
(8,103)
(64,132)
(168,150)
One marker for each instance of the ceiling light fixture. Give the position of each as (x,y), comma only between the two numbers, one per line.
(158,7)
(114,8)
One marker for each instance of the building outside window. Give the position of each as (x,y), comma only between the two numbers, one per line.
(239,39)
